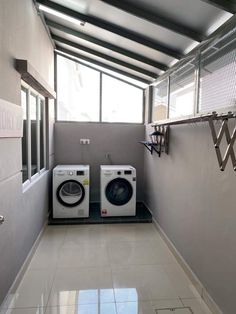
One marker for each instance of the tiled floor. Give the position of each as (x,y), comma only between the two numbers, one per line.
(104,269)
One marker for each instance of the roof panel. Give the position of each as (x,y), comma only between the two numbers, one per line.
(114,39)
(129,22)
(105,51)
(193,13)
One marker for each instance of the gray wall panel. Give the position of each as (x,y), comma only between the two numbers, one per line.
(119,140)
(23,36)
(194,202)
(10,162)
(24,217)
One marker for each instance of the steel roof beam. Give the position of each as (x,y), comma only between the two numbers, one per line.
(226,5)
(104,56)
(104,65)
(156,19)
(106,45)
(112,28)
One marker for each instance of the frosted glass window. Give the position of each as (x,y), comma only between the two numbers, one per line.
(160,101)
(218,77)
(121,102)
(182,91)
(78,91)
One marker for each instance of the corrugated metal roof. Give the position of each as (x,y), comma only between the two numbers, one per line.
(140,38)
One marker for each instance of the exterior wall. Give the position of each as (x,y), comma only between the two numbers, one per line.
(194,203)
(119,140)
(22,36)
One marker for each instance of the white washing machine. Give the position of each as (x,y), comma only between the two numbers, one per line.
(71,191)
(118,191)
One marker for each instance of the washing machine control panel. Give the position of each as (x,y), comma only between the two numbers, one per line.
(70,173)
(80,173)
(127,172)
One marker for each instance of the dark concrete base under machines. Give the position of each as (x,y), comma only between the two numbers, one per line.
(143,215)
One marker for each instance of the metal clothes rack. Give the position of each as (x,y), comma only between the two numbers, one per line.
(217,137)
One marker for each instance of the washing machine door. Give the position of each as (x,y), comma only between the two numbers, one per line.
(119,191)
(70,193)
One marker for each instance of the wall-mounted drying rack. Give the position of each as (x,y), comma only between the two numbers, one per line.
(217,137)
(159,140)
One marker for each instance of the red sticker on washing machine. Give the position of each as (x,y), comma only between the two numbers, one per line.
(104,211)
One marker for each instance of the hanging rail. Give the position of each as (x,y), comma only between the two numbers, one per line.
(201,118)
(217,137)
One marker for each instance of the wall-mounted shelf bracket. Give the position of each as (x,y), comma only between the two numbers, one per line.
(159,140)
(150,146)
(230,139)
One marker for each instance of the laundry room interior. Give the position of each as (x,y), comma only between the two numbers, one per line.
(117,156)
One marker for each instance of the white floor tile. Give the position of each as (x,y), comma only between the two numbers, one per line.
(33,290)
(93,234)
(197,305)
(102,308)
(45,257)
(24,311)
(82,286)
(131,232)
(180,281)
(86,269)
(167,303)
(140,253)
(85,255)
(148,282)
(134,308)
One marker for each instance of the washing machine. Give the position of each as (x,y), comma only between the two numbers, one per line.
(118,190)
(71,191)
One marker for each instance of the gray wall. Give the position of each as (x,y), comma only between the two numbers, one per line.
(194,202)
(22,35)
(119,140)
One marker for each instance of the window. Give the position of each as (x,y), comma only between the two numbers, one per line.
(34,133)
(121,102)
(200,84)
(88,94)
(182,91)
(218,77)
(160,101)
(78,91)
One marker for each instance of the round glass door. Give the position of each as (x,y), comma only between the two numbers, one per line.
(70,193)
(119,191)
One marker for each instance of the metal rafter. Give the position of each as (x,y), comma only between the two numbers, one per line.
(106,45)
(226,5)
(104,65)
(104,56)
(156,19)
(112,28)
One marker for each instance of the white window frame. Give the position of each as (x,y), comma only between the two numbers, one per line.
(30,91)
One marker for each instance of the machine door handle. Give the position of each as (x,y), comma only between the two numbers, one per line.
(2,219)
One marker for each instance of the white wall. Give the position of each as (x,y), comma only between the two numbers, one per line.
(22,36)
(194,202)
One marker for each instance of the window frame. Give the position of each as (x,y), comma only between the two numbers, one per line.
(100,95)
(39,98)
(196,56)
